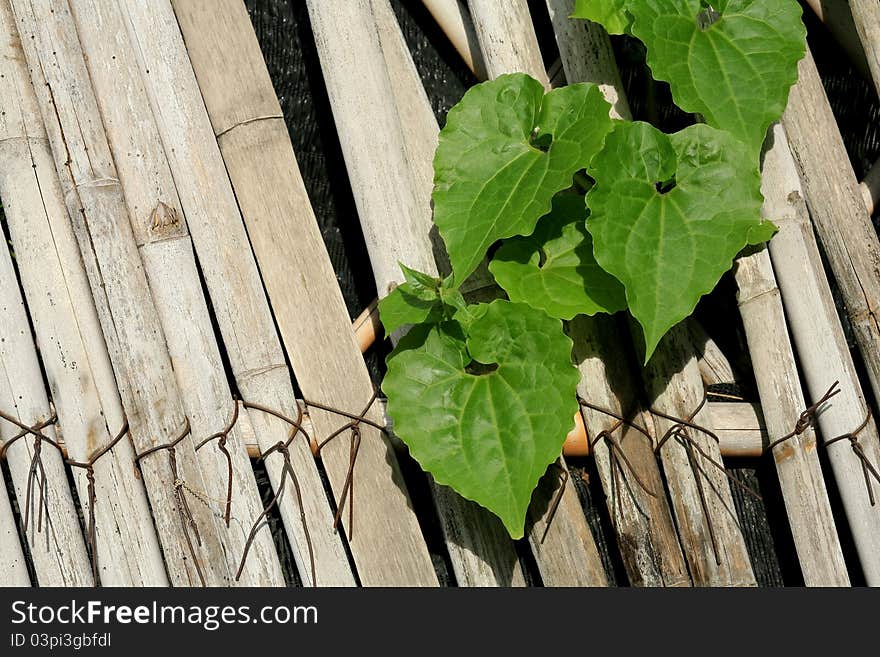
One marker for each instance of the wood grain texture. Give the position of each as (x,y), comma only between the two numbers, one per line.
(507,38)
(130,322)
(866,17)
(566,553)
(837,208)
(13,568)
(797,462)
(160,229)
(454,19)
(68,334)
(387,546)
(822,347)
(53,533)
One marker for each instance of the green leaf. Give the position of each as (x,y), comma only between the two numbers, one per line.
(420,299)
(611,14)
(731,61)
(490,435)
(554,269)
(505,151)
(669,214)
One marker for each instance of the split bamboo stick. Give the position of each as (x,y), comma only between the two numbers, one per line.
(387,545)
(480,549)
(821,345)
(509,44)
(160,230)
(635,495)
(866,17)
(838,18)
(797,462)
(68,334)
(453,18)
(837,208)
(134,336)
(13,568)
(45,502)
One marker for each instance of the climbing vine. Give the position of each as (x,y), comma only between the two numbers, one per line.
(579,214)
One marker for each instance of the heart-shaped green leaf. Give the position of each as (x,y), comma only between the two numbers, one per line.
(668,215)
(488,433)
(506,150)
(731,61)
(612,14)
(554,270)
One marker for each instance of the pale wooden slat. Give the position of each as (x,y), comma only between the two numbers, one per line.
(453,18)
(387,546)
(821,345)
(837,208)
(507,38)
(74,356)
(53,534)
(797,463)
(144,372)
(866,17)
(160,230)
(13,569)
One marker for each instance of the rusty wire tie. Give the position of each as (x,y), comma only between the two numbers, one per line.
(868,469)
(187,519)
(282,448)
(89,467)
(807,418)
(692,448)
(616,449)
(36,471)
(221,438)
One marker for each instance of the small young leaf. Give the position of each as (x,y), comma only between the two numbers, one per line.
(669,214)
(421,299)
(488,433)
(611,14)
(506,150)
(554,269)
(731,61)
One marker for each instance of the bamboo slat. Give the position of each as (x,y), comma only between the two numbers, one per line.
(52,531)
(160,229)
(13,568)
(866,17)
(838,18)
(837,208)
(453,18)
(821,344)
(134,336)
(387,545)
(797,462)
(72,348)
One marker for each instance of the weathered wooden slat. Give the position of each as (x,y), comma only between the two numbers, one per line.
(567,555)
(453,18)
(866,17)
(135,341)
(641,515)
(72,349)
(797,462)
(821,345)
(837,208)
(387,546)
(52,531)
(160,229)
(480,549)
(838,18)
(13,569)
